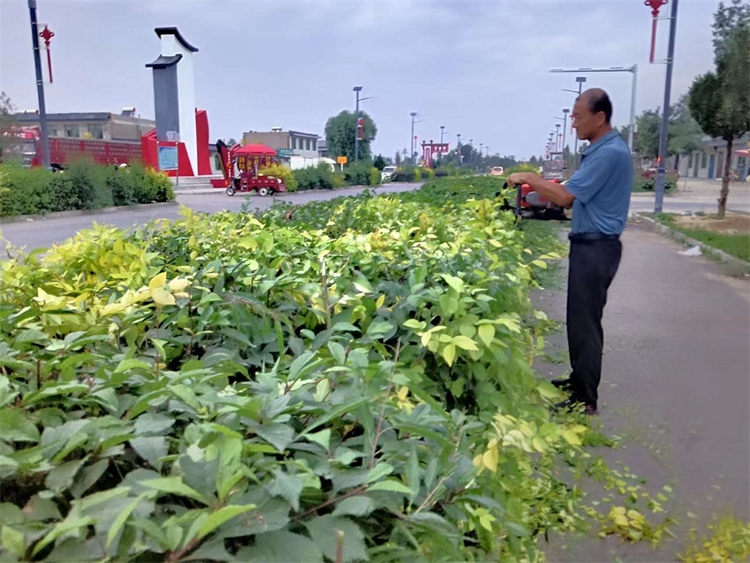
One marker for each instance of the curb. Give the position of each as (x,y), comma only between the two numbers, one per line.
(82,212)
(209,191)
(705,248)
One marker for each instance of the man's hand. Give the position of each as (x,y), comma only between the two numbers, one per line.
(550,191)
(520,178)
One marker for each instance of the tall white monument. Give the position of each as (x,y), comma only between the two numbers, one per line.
(174,92)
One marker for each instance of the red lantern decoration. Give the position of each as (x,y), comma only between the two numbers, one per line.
(654,5)
(46,34)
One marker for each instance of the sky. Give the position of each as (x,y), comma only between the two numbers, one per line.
(481,69)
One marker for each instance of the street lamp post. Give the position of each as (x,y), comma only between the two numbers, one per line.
(39,84)
(413,121)
(565,125)
(442,130)
(580,80)
(557,137)
(661,170)
(631,69)
(357,90)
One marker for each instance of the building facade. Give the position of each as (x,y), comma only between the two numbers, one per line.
(709,162)
(287,143)
(91,125)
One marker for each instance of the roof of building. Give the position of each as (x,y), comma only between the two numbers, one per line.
(176,32)
(76,116)
(165,61)
(282,132)
(301,134)
(33,117)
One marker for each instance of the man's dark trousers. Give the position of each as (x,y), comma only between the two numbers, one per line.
(593,263)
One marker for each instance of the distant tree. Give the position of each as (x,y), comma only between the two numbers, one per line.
(648,125)
(727,18)
(568,158)
(7,109)
(684,132)
(533,161)
(379,162)
(340,132)
(230,142)
(397,158)
(720,101)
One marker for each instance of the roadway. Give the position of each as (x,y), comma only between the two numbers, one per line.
(42,233)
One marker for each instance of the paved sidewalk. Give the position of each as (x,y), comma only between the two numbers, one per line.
(695,194)
(676,388)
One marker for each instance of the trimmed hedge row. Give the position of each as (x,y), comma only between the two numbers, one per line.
(83,185)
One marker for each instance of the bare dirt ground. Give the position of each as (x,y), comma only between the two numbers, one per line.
(732,224)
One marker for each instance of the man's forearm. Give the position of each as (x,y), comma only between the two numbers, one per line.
(551,191)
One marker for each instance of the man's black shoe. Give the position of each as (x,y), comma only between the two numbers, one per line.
(563,384)
(570,404)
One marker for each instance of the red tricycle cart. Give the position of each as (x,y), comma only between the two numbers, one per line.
(240,166)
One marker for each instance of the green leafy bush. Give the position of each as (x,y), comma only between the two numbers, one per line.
(83,185)
(404,174)
(358,174)
(374,176)
(417,174)
(317,177)
(646,182)
(283,172)
(25,192)
(349,381)
(338,180)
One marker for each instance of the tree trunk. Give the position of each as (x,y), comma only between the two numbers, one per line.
(725,181)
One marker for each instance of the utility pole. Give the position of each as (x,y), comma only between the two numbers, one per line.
(661,171)
(411,154)
(357,90)
(39,84)
(580,80)
(632,70)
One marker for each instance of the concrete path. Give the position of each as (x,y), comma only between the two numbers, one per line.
(676,389)
(43,233)
(696,195)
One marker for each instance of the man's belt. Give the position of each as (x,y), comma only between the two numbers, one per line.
(581,237)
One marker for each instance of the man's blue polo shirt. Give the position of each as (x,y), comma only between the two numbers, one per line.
(602,187)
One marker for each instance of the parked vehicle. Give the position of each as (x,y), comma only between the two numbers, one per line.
(554,167)
(387,173)
(240,166)
(497,171)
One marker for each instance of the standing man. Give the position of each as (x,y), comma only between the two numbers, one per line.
(599,193)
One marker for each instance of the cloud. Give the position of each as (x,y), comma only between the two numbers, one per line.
(480,68)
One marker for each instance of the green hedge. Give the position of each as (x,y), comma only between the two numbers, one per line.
(345,381)
(83,185)
(358,174)
(318,177)
(647,182)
